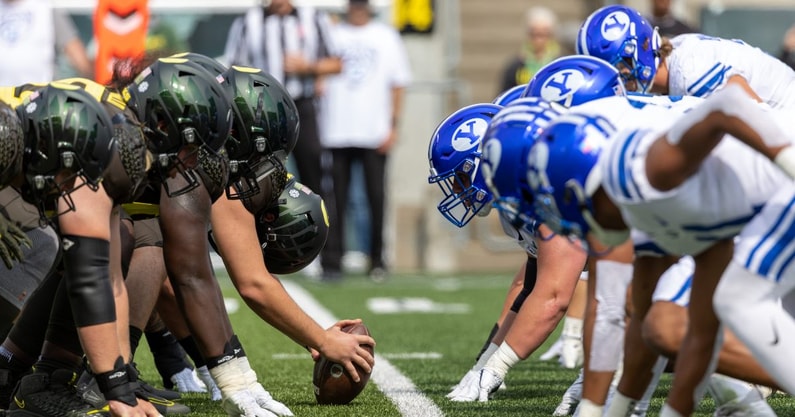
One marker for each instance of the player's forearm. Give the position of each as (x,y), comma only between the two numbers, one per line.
(536,320)
(266,297)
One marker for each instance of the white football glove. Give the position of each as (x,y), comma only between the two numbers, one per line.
(260,394)
(571,352)
(553,351)
(186,381)
(479,389)
(459,389)
(204,375)
(266,401)
(243,404)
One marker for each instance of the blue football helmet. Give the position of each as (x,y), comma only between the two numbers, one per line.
(560,173)
(454,157)
(510,95)
(506,143)
(574,80)
(623,37)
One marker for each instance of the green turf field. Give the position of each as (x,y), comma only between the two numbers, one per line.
(428,329)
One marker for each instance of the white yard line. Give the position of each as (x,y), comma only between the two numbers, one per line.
(396,386)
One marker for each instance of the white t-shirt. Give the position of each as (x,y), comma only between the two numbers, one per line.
(27,42)
(357,105)
(700,64)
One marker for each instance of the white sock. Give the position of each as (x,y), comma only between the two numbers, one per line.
(572,327)
(589,409)
(620,406)
(759,320)
(667,411)
(503,359)
(485,356)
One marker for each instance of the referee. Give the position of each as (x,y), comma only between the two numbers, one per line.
(294,45)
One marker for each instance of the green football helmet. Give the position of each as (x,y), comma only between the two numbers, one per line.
(68,135)
(264,132)
(293,230)
(183,108)
(11,144)
(211,65)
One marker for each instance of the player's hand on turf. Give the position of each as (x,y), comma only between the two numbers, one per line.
(479,389)
(489,383)
(143,409)
(204,375)
(471,375)
(12,238)
(243,404)
(266,401)
(187,381)
(345,348)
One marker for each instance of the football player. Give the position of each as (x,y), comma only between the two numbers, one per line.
(687,65)
(455,159)
(663,193)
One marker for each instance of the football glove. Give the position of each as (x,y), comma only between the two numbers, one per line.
(480,388)
(243,404)
(186,381)
(11,240)
(204,375)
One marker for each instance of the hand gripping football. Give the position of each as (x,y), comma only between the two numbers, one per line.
(332,383)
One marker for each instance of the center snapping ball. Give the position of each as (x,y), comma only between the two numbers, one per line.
(332,383)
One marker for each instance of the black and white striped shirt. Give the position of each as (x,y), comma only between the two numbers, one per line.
(260,39)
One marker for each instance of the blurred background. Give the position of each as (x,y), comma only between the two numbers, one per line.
(461,52)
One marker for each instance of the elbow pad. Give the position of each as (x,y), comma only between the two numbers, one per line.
(87,268)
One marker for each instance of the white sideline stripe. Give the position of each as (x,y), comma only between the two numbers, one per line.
(396,386)
(407,355)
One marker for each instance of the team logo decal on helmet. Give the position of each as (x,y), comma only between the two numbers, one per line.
(615,25)
(468,135)
(561,84)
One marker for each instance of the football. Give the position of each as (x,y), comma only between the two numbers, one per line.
(332,383)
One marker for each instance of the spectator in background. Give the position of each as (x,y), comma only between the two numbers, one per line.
(540,48)
(294,45)
(667,24)
(787,53)
(361,114)
(32,33)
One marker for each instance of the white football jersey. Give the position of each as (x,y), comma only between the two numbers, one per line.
(675,283)
(732,185)
(766,246)
(700,64)
(637,110)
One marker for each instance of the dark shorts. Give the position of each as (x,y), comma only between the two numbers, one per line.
(147,233)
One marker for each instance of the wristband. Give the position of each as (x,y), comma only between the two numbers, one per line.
(785,159)
(117,384)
